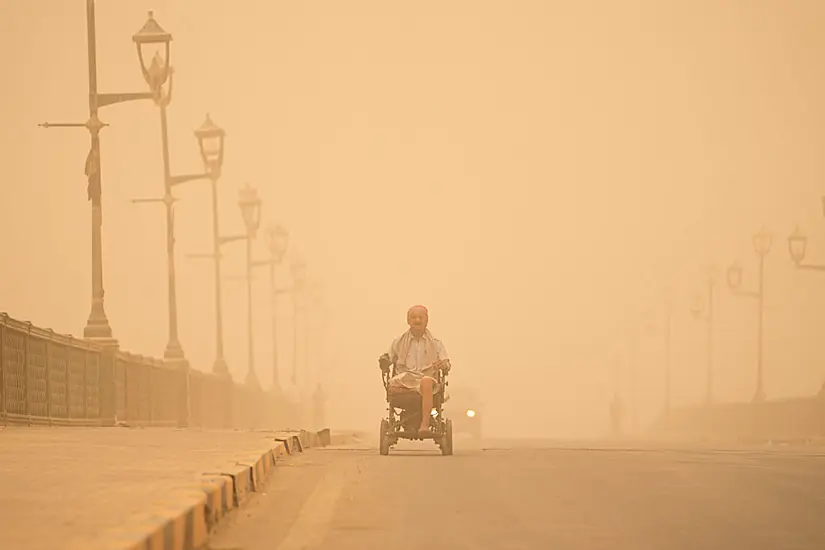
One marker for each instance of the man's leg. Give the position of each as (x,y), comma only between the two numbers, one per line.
(426,403)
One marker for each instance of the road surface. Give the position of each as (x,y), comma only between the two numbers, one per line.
(533,496)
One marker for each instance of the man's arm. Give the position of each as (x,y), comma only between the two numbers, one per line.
(443,356)
(392,353)
(442,351)
(389,357)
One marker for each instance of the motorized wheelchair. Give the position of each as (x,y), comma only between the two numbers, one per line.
(404,413)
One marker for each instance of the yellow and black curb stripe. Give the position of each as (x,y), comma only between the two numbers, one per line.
(282,449)
(307,439)
(240,477)
(177,523)
(285,445)
(220,497)
(259,468)
(183,519)
(293,444)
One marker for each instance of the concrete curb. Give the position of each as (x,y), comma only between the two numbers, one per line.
(184,518)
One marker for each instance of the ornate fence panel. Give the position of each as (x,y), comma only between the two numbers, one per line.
(82,384)
(13,379)
(57,378)
(70,383)
(165,391)
(217,393)
(90,365)
(37,356)
(197,403)
(145,391)
(118,387)
(52,379)
(46,378)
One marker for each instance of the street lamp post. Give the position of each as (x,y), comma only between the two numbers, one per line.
(97,327)
(315,343)
(762,242)
(797,248)
(319,329)
(616,405)
(211,143)
(154,51)
(667,336)
(700,313)
(299,277)
(277,240)
(250,205)
(634,330)
(639,327)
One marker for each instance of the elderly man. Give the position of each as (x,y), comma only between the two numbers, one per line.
(417,355)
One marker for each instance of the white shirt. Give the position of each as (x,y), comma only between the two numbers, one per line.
(416,359)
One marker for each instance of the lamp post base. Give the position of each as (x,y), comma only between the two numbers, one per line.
(759,396)
(103,342)
(220,367)
(181,367)
(97,326)
(174,352)
(252,380)
(179,363)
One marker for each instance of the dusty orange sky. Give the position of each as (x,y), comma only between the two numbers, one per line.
(534,172)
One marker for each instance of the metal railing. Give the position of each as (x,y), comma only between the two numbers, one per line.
(54,379)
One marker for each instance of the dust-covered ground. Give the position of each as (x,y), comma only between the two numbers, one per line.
(536,495)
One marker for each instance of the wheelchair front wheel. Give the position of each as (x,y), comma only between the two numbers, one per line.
(384,438)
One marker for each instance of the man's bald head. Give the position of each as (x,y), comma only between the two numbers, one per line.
(417,309)
(417,318)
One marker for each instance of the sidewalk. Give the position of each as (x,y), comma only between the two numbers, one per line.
(93,488)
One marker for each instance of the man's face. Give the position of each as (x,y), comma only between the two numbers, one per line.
(417,318)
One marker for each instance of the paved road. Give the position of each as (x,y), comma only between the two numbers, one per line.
(534,496)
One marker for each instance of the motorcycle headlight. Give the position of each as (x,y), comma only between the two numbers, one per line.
(470,413)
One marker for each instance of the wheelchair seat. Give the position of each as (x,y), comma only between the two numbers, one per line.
(411,400)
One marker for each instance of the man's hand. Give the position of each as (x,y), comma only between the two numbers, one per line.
(443,364)
(384,363)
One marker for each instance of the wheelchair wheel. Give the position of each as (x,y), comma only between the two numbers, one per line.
(384,438)
(447,439)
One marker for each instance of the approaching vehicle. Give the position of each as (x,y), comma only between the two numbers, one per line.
(465,408)
(404,414)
